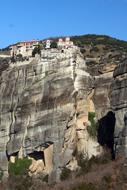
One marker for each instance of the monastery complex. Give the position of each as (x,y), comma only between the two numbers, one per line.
(26,48)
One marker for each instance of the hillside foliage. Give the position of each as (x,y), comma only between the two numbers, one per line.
(97,40)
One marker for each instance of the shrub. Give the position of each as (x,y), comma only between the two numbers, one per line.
(53,44)
(91,116)
(75,152)
(86,164)
(36,50)
(83,50)
(107,179)
(45,178)
(65,174)
(1,174)
(19,57)
(19,167)
(103,159)
(13,59)
(85,186)
(94,49)
(92,128)
(20,182)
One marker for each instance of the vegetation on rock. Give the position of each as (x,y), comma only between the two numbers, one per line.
(65,174)
(85,186)
(53,44)
(92,128)
(87,164)
(94,39)
(1,174)
(36,50)
(19,167)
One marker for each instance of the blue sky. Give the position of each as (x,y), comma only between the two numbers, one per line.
(38,19)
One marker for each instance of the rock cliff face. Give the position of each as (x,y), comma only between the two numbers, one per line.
(102,92)
(103,75)
(119,105)
(119,93)
(43,106)
(102,54)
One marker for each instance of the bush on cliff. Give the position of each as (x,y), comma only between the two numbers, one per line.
(85,186)
(36,50)
(53,44)
(86,165)
(92,128)
(1,174)
(19,167)
(65,174)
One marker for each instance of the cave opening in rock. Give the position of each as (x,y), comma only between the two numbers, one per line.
(106,128)
(37,155)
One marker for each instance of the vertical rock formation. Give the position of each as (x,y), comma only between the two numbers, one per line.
(102,92)
(119,103)
(119,94)
(43,105)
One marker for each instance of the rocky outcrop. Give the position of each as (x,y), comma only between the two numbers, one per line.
(103,75)
(102,55)
(119,94)
(4,64)
(118,101)
(43,105)
(102,92)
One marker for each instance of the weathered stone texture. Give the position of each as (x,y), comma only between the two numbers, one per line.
(102,92)
(42,104)
(118,101)
(119,94)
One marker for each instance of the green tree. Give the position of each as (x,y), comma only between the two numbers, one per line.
(13,59)
(92,128)
(19,57)
(36,50)
(19,167)
(53,44)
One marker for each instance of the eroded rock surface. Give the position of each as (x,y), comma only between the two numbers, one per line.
(119,94)
(119,105)
(43,104)
(102,91)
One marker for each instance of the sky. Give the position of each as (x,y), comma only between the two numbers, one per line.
(39,19)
